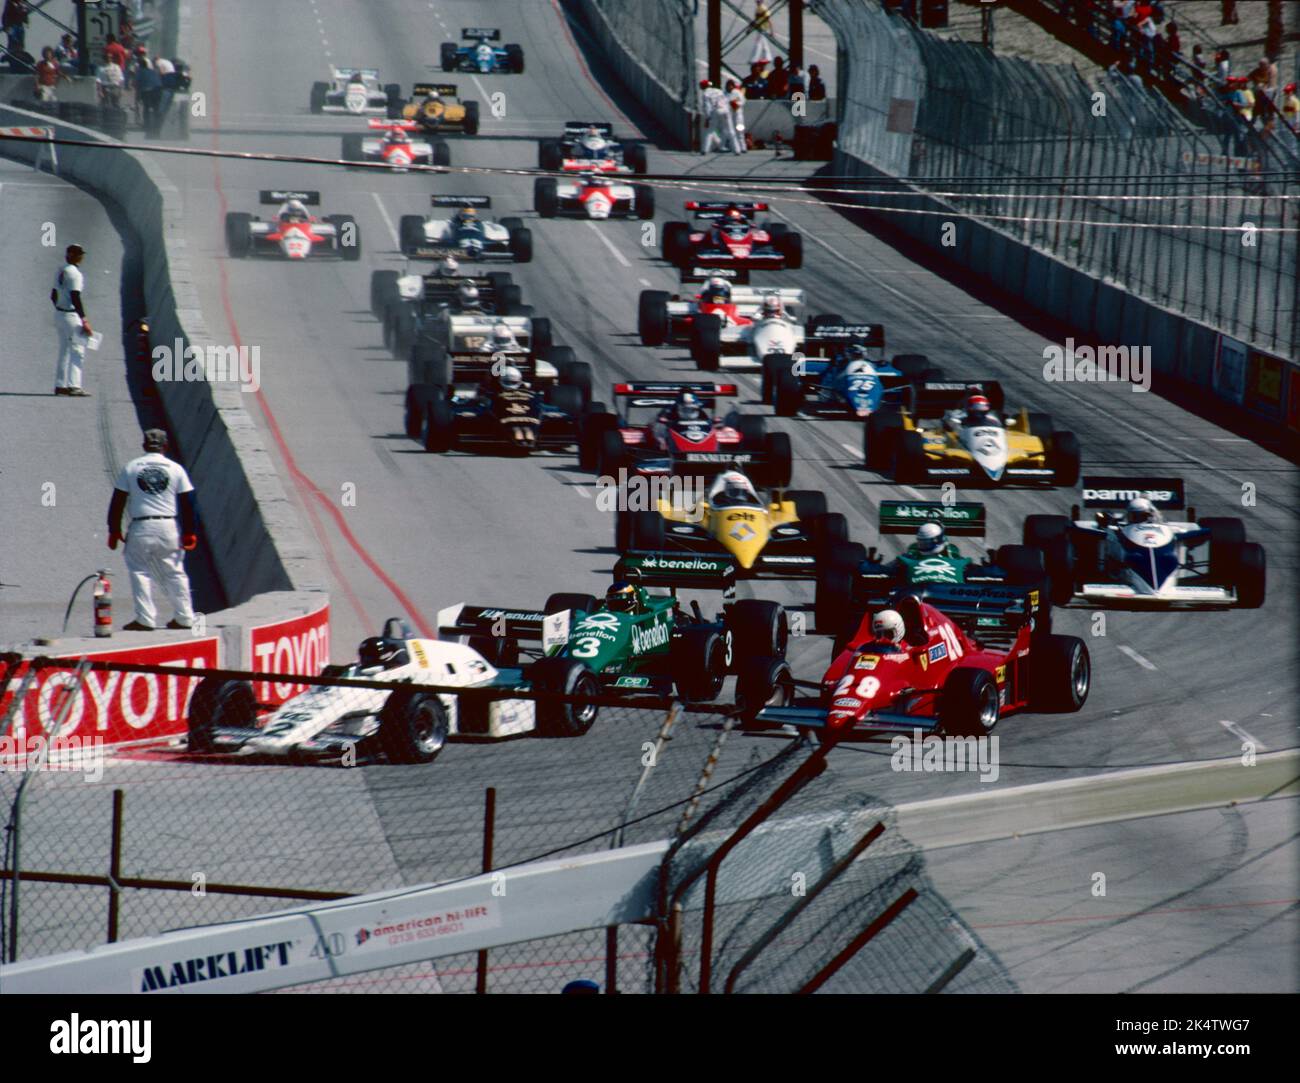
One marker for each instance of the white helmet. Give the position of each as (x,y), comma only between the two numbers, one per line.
(296,211)
(593,140)
(449,266)
(502,336)
(467,295)
(511,378)
(854,368)
(772,307)
(930,537)
(1141,510)
(887,626)
(735,486)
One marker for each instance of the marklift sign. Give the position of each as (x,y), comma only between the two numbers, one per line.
(114,707)
(300,645)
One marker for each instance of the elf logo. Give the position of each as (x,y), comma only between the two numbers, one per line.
(650,638)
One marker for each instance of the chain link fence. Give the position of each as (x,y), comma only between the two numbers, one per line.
(1175,205)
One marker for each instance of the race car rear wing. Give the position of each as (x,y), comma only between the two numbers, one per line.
(665,569)
(986,608)
(1115,492)
(934,398)
(709,210)
(459,622)
(275,195)
(904,516)
(870,335)
(384,125)
(474,33)
(577,127)
(441,90)
(460,201)
(347,73)
(738,275)
(674,387)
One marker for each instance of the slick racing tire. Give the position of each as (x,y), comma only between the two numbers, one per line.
(773,364)
(912,365)
(352,149)
(515,59)
(753,432)
(1027,566)
(441,152)
(1040,425)
(645,531)
(643,202)
(881,431)
(699,664)
(1060,674)
(447,56)
(823,319)
(499,651)
(829,532)
(546,198)
(218,704)
(778,461)
(577,374)
(652,317)
(413,727)
(634,157)
(1039,530)
(399,330)
(439,425)
(808,503)
(239,234)
(677,243)
(563,677)
(577,603)
(594,427)
(319,91)
(763,682)
(550,155)
(1227,536)
(833,600)
(567,398)
(348,236)
(429,363)
(758,629)
(521,244)
(418,397)
(612,455)
(787,391)
(383,289)
(968,705)
(706,341)
(791,246)
(1251,575)
(909,458)
(410,233)
(1064,457)
(471,118)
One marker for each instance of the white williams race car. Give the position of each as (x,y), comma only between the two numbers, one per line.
(355,90)
(407,726)
(395,148)
(593,195)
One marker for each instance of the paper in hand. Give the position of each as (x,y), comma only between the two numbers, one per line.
(93,341)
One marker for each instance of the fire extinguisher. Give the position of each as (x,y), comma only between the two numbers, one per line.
(103,603)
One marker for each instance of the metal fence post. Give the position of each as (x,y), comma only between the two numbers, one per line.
(115,866)
(489,838)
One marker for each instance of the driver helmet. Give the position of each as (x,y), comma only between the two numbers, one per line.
(502,337)
(466,215)
(772,308)
(734,216)
(688,406)
(978,406)
(449,266)
(1141,510)
(398,135)
(356,77)
(593,140)
(887,626)
(717,291)
(930,538)
(511,378)
(467,295)
(736,487)
(621,597)
(295,211)
(380,652)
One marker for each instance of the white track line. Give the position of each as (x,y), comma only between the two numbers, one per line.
(388,221)
(608,244)
(917,495)
(1137,657)
(1242,735)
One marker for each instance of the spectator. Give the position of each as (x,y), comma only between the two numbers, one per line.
(816,88)
(762,27)
(167,74)
(1223,66)
(110,80)
(148,92)
(116,52)
(716,111)
(755,83)
(66,53)
(1198,55)
(1291,107)
(736,100)
(1168,49)
(1118,25)
(778,83)
(1146,29)
(48,76)
(797,82)
(1264,84)
(1229,13)
(14,24)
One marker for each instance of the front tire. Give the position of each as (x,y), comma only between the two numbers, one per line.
(218,704)
(969,706)
(413,728)
(564,677)
(1061,674)
(699,664)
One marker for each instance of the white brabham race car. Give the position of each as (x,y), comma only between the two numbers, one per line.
(594,195)
(348,722)
(356,91)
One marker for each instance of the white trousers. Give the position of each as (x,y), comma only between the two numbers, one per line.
(738,132)
(154,555)
(719,132)
(72,349)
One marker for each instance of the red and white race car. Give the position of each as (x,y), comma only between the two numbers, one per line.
(395,148)
(590,147)
(593,195)
(969,655)
(294,233)
(724,235)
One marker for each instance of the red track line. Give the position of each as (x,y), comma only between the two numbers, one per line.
(306,487)
(582,64)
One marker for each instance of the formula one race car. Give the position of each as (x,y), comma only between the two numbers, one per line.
(356,91)
(436,107)
(777,535)
(395,148)
(407,304)
(964,657)
(294,233)
(593,195)
(482,57)
(954,432)
(409,725)
(465,235)
(590,147)
(724,235)
(852,579)
(636,641)
(684,437)
(1139,559)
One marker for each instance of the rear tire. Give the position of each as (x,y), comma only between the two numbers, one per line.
(352,149)
(558,603)
(706,341)
(652,322)
(833,601)
(808,503)
(1227,536)
(612,455)
(778,465)
(791,246)
(521,245)
(878,437)
(912,365)
(418,397)
(634,157)
(318,94)
(239,234)
(909,461)
(349,252)
(550,156)
(546,198)
(1064,457)
(644,202)
(645,531)
(594,428)
(471,118)
(1060,674)
(698,660)
(758,629)
(410,233)
(447,56)
(383,289)
(441,152)
(515,59)
(763,682)
(439,426)
(787,394)
(677,243)
(1251,575)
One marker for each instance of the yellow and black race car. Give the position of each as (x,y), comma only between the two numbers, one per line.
(959,432)
(784,534)
(437,107)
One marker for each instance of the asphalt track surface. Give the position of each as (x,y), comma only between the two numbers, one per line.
(428,531)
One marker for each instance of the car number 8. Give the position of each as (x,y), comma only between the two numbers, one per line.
(587,647)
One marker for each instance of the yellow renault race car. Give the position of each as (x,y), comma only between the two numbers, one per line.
(958,432)
(779,535)
(437,107)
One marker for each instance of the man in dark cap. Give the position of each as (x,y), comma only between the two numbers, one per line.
(153,490)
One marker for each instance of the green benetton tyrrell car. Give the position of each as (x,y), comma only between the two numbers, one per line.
(651,644)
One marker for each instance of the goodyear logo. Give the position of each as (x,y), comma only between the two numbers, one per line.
(867,661)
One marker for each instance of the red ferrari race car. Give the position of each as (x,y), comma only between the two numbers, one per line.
(294,233)
(683,436)
(724,235)
(963,657)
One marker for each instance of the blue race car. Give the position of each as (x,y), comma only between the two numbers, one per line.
(483,56)
(849,381)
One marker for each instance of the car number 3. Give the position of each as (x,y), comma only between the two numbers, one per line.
(866,689)
(588,647)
